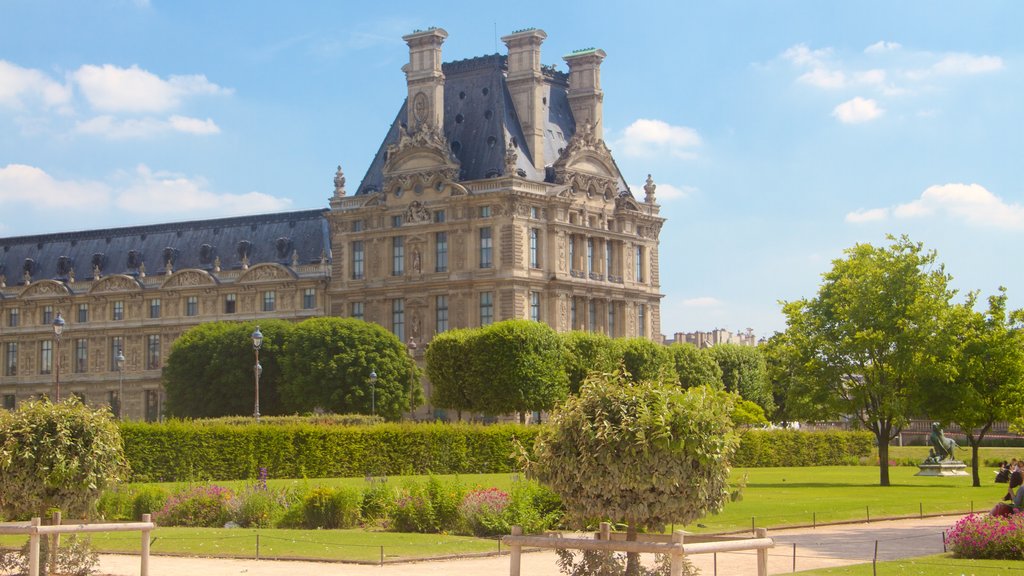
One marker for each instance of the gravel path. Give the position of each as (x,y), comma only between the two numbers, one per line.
(824,546)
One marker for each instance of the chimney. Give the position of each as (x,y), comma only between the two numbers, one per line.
(585,95)
(423,75)
(526,86)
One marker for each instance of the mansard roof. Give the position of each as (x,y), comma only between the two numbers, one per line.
(480,121)
(195,244)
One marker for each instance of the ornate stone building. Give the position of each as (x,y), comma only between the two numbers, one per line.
(493,196)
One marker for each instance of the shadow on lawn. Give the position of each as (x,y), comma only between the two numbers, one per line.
(842,485)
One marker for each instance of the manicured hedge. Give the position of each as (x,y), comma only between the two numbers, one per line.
(764,448)
(184,450)
(181,450)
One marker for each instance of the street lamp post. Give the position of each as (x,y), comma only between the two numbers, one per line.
(58,329)
(120,383)
(373,392)
(411,347)
(257,341)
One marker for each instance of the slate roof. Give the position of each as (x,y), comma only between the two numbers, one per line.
(480,120)
(195,244)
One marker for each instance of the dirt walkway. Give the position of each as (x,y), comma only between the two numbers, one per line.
(821,547)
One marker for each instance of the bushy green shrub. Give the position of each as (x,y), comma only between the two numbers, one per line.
(483,512)
(332,507)
(199,506)
(429,508)
(762,448)
(114,505)
(148,500)
(378,500)
(259,507)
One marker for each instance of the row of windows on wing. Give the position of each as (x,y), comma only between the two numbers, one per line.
(155,308)
(80,355)
(152,402)
(612,310)
(208,257)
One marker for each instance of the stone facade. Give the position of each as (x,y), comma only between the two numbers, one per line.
(489,199)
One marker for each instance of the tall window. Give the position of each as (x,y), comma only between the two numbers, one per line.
(590,255)
(116,346)
(46,357)
(358,225)
(9,402)
(47,316)
(11,359)
(572,313)
(81,355)
(486,308)
(398,318)
(641,320)
(439,216)
(442,313)
(309,298)
(397,256)
(486,247)
(592,313)
(535,306)
(485,211)
(534,248)
(396,221)
(269,301)
(118,310)
(152,405)
(192,306)
(83,313)
(441,251)
(154,307)
(358,260)
(611,319)
(572,252)
(152,351)
(357,310)
(230,301)
(639,263)
(12,317)
(609,257)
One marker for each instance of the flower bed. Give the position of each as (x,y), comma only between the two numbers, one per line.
(989,537)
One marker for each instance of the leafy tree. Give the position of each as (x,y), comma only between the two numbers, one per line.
(448,369)
(872,336)
(695,367)
(640,453)
(587,352)
(987,383)
(57,456)
(744,372)
(209,372)
(517,367)
(782,364)
(646,360)
(327,362)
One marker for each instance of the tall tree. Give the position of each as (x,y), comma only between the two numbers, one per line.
(782,365)
(209,372)
(646,360)
(587,352)
(872,335)
(327,363)
(987,377)
(744,372)
(449,370)
(695,366)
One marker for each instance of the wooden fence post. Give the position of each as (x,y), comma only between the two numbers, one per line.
(33,549)
(762,554)
(515,550)
(677,554)
(144,568)
(606,531)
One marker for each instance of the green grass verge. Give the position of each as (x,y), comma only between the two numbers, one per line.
(938,565)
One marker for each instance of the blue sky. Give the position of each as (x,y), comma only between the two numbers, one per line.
(779,133)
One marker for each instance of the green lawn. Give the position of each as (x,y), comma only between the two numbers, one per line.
(939,565)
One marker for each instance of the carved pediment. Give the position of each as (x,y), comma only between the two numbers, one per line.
(189,278)
(419,161)
(267,272)
(625,201)
(587,167)
(44,288)
(116,283)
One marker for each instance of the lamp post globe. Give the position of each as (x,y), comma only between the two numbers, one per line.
(257,343)
(58,330)
(120,383)
(373,392)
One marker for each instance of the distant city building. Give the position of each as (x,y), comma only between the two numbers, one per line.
(715,337)
(493,196)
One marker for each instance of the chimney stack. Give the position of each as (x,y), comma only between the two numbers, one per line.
(423,75)
(526,86)
(585,95)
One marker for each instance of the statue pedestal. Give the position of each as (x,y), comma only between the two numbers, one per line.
(944,468)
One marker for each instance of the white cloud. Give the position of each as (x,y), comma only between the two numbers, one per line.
(882,47)
(802,55)
(857,110)
(167,193)
(21,86)
(22,184)
(968,203)
(702,302)
(961,64)
(665,191)
(117,129)
(824,78)
(112,89)
(871,77)
(646,137)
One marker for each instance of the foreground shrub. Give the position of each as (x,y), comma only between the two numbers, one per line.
(378,500)
(75,557)
(148,500)
(981,536)
(325,507)
(199,506)
(483,512)
(429,508)
(259,507)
